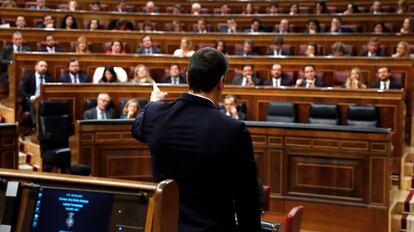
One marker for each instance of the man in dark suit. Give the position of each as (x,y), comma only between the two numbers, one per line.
(8,50)
(40,5)
(385,81)
(201,26)
(122,7)
(102,110)
(255,26)
(30,87)
(247,49)
(230,108)
(50,45)
(277,79)
(276,49)
(209,154)
(310,80)
(283,27)
(336,26)
(247,78)
(48,22)
(373,48)
(74,74)
(231,26)
(147,47)
(175,77)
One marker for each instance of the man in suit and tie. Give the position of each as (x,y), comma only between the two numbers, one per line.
(247,78)
(40,5)
(231,26)
(255,26)
(310,80)
(373,48)
(8,50)
(277,79)
(201,26)
(385,81)
(247,49)
(283,27)
(48,22)
(147,47)
(122,7)
(102,110)
(50,45)
(336,26)
(30,87)
(230,108)
(74,74)
(276,49)
(175,77)
(208,154)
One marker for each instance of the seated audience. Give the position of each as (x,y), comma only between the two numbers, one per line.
(48,22)
(294,8)
(379,28)
(40,5)
(102,110)
(402,7)
(336,26)
(338,49)
(247,78)
(147,47)
(274,9)
(224,9)
(309,80)
(312,27)
(196,8)
(201,26)
(255,26)
(95,6)
(174,77)
(73,5)
(9,4)
(7,52)
(121,25)
(51,46)
(141,75)
(320,7)
(231,26)
(116,48)
(247,49)
(283,27)
(230,108)
(122,7)
(82,46)
(186,48)
(149,7)
(130,110)
(276,77)
(355,80)
(351,8)
(69,23)
(403,50)
(311,50)
(376,7)
(177,26)
(221,46)
(147,26)
(177,9)
(276,49)
(20,22)
(74,74)
(373,48)
(94,25)
(30,87)
(407,26)
(109,75)
(248,9)
(385,81)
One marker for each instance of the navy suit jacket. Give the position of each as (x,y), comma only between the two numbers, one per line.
(155,50)
(393,85)
(271,52)
(283,82)
(318,83)
(210,155)
(226,29)
(92,114)
(241,53)
(167,80)
(238,80)
(6,57)
(57,49)
(377,53)
(65,77)
(28,86)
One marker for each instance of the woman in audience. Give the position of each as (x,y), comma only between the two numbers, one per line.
(123,25)
(94,24)
(130,110)
(82,45)
(109,75)
(186,48)
(248,9)
(221,46)
(351,8)
(116,48)
(69,23)
(9,4)
(310,50)
(379,27)
(312,27)
(355,80)
(73,5)
(407,26)
(294,8)
(320,7)
(402,51)
(141,75)
(402,7)
(338,49)
(177,26)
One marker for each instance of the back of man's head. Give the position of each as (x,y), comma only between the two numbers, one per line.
(205,69)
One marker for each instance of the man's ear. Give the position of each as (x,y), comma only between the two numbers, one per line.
(186,76)
(220,85)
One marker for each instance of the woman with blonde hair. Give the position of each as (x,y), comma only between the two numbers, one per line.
(403,50)
(355,80)
(141,75)
(130,110)
(82,45)
(186,48)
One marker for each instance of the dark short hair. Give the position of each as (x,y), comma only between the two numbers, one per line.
(247,65)
(205,69)
(309,65)
(71,60)
(278,40)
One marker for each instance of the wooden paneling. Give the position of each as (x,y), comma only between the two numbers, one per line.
(9,145)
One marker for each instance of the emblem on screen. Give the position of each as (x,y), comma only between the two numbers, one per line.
(70,221)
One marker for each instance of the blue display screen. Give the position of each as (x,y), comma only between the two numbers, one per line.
(65,210)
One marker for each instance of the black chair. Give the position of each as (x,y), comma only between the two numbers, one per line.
(362,116)
(55,127)
(281,112)
(326,114)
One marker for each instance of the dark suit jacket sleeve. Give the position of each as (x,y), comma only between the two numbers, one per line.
(83,77)
(137,127)
(245,180)
(140,51)
(89,114)
(257,81)
(5,57)
(63,78)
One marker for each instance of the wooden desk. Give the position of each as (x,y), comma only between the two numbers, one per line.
(9,145)
(278,219)
(344,172)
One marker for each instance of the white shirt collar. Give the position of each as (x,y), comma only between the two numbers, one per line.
(198,95)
